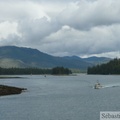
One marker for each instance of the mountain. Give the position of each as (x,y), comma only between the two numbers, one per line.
(12,56)
(28,57)
(9,63)
(97,60)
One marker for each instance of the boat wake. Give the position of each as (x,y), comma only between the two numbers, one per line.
(110,86)
(106,86)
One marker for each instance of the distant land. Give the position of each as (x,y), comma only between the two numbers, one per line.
(22,57)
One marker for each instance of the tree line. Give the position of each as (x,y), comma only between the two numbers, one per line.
(61,71)
(35,71)
(112,67)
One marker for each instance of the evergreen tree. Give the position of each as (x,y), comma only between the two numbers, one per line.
(60,71)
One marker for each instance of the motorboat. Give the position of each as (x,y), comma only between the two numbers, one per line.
(97,85)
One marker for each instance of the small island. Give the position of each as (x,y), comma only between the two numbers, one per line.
(10,90)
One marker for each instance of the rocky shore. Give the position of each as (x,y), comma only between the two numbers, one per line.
(10,90)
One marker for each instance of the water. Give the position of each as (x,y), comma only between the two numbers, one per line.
(60,98)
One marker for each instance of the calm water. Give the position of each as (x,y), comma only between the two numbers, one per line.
(60,98)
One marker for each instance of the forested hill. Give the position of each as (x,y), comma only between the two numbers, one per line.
(112,67)
(22,57)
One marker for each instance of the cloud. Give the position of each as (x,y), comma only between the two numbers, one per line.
(34,31)
(69,41)
(23,20)
(66,27)
(17,10)
(7,28)
(87,14)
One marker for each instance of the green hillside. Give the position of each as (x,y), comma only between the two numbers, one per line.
(9,63)
(22,57)
(12,56)
(112,67)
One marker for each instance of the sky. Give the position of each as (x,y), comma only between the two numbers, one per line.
(62,27)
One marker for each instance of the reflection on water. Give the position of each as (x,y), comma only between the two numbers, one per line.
(60,98)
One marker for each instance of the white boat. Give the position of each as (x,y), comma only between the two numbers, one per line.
(97,86)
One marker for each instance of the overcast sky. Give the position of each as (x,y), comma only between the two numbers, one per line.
(62,27)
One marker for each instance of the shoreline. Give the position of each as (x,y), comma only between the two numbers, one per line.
(8,77)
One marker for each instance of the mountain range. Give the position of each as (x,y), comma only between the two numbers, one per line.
(13,56)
